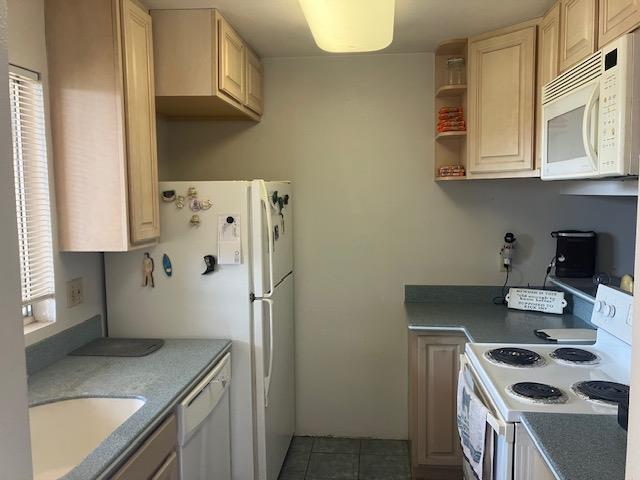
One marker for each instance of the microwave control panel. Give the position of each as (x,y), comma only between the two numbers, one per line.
(611,112)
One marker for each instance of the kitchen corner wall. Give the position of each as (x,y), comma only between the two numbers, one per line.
(27,49)
(355,134)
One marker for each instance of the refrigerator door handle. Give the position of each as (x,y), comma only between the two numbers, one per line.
(270,247)
(267,378)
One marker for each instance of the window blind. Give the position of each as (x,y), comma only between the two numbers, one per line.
(33,209)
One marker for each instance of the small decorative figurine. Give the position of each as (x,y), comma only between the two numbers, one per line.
(195,220)
(210,262)
(192,192)
(168,196)
(166,265)
(147,270)
(179,201)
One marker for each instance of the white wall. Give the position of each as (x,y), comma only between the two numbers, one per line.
(27,49)
(354,133)
(15,454)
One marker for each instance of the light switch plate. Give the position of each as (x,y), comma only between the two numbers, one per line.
(75,292)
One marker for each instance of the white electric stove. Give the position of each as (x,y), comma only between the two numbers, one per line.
(553,378)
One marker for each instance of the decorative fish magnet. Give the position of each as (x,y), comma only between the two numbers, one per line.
(168,196)
(166,265)
(210,262)
(147,270)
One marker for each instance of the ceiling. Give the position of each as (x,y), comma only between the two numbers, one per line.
(277,28)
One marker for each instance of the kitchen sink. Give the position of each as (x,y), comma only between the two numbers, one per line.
(63,433)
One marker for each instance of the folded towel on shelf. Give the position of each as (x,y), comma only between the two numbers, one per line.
(472,425)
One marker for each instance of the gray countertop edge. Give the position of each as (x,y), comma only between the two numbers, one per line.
(534,438)
(153,424)
(444,328)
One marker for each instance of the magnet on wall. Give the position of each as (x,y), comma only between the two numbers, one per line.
(168,195)
(147,270)
(166,265)
(195,220)
(179,201)
(192,192)
(210,262)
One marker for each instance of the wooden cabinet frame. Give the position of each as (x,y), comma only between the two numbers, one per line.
(433,377)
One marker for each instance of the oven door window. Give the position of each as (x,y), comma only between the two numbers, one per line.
(564,136)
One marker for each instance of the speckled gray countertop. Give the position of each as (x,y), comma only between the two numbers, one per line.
(585,447)
(486,322)
(161,378)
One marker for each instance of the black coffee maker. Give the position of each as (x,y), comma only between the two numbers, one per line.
(575,253)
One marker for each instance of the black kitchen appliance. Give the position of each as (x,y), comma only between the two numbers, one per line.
(575,253)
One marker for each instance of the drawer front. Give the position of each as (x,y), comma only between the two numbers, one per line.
(150,458)
(169,469)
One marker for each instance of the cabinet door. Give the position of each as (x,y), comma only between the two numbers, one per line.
(231,68)
(548,49)
(616,17)
(168,470)
(140,124)
(577,31)
(501,102)
(434,368)
(548,46)
(255,97)
(528,462)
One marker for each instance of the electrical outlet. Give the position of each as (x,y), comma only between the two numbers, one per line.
(75,292)
(502,267)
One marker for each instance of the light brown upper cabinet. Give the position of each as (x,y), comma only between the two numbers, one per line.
(577,31)
(203,68)
(501,102)
(255,98)
(103,123)
(231,70)
(548,48)
(616,17)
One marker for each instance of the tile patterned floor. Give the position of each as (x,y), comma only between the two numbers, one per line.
(328,458)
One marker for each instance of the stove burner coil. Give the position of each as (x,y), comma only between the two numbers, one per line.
(515,357)
(538,392)
(574,355)
(608,392)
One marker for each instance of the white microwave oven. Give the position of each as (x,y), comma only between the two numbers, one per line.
(589,114)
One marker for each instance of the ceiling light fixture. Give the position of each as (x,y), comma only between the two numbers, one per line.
(341,26)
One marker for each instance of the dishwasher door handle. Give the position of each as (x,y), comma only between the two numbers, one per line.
(203,399)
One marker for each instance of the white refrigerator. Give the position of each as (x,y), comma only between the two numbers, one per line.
(248,297)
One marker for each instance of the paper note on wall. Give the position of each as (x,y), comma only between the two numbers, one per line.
(229,240)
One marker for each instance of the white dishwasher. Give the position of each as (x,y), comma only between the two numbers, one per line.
(204,446)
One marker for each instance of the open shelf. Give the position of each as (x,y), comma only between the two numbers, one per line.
(450,148)
(457,46)
(450,135)
(451,91)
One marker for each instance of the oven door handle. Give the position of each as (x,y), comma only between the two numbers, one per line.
(502,428)
(586,127)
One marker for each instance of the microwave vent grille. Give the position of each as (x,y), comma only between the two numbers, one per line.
(577,76)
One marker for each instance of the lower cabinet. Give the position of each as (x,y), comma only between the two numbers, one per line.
(528,462)
(156,459)
(433,379)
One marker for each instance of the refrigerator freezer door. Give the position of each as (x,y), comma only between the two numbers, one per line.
(272,234)
(275,383)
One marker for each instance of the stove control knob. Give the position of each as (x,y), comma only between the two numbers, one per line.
(612,311)
(599,306)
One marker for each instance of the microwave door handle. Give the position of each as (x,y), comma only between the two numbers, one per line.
(586,127)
